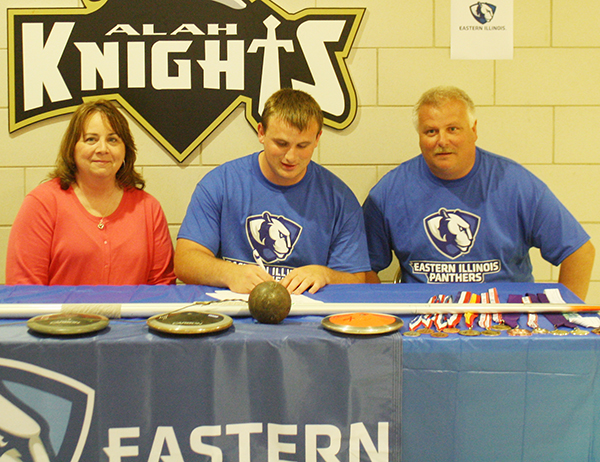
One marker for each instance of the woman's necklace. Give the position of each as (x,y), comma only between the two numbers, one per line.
(112,202)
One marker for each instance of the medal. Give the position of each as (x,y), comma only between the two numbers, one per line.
(540,330)
(557,331)
(411,333)
(596,331)
(469,332)
(425,331)
(518,332)
(578,331)
(469,320)
(439,334)
(501,326)
(456,330)
(491,333)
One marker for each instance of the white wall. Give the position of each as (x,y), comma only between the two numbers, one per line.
(531,108)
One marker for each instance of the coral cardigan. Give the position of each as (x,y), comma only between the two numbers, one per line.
(56,241)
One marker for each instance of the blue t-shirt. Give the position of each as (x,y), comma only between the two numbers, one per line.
(242,217)
(478,228)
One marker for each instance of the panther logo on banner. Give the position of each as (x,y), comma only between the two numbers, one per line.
(44,416)
(272,237)
(178,67)
(452,232)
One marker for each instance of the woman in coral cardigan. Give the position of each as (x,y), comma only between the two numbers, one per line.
(91,223)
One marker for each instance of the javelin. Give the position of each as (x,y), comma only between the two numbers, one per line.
(240,308)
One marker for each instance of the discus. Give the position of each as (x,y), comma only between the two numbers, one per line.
(189,322)
(362,323)
(67,323)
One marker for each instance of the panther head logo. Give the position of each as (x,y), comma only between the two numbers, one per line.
(483,12)
(44,416)
(273,237)
(452,232)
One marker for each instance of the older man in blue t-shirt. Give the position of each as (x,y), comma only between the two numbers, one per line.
(458,213)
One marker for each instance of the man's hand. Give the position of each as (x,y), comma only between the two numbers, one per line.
(311,277)
(314,277)
(244,278)
(195,264)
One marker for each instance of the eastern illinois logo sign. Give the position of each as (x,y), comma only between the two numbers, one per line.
(44,416)
(179,67)
(483,12)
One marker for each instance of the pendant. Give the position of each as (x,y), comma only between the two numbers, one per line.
(101,224)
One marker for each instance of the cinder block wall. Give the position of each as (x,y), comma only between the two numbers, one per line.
(540,108)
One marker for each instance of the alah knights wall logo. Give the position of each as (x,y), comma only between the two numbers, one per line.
(452,232)
(44,416)
(483,12)
(179,67)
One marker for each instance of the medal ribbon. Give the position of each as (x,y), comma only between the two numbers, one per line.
(415,323)
(558,320)
(428,320)
(440,322)
(464,297)
(493,295)
(470,319)
(543,298)
(454,319)
(512,319)
(485,320)
(425,320)
(585,321)
(553,295)
(532,320)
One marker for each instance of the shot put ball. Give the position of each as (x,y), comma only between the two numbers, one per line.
(269,302)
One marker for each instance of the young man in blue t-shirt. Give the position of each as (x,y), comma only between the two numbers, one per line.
(275,214)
